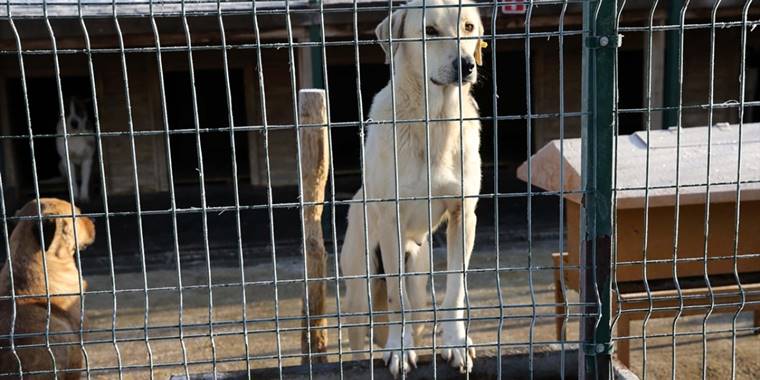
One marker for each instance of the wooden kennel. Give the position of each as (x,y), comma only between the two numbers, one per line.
(664,279)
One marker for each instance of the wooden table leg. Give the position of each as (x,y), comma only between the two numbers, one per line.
(559,298)
(623,350)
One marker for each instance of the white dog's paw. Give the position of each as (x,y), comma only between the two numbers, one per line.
(453,334)
(396,360)
(397,363)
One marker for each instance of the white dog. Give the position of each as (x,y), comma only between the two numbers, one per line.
(81,148)
(445,59)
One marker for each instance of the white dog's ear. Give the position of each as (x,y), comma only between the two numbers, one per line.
(383,33)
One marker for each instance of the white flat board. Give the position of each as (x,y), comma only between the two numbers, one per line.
(661,165)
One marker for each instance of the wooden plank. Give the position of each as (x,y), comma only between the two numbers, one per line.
(278,91)
(117,153)
(312,109)
(8,149)
(722,134)
(631,176)
(630,241)
(666,303)
(752,292)
(253,116)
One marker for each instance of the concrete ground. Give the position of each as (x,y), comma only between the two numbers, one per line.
(162,309)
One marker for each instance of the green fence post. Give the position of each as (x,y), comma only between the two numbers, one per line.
(672,52)
(599,54)
(315,35)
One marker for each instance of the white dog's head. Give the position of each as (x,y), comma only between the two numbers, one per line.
(77,116)
(445,56)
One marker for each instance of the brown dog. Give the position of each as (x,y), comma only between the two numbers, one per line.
(32,315)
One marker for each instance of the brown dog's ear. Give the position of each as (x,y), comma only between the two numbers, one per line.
(85,232)
(49,231)
(383,33)
(58,234)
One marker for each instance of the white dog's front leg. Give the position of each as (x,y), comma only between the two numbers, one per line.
(84,191)
(399,359)
(453,332)
(72,178)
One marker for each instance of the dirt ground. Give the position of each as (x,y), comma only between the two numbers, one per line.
(159,345)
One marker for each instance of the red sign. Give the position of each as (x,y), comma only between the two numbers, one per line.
(512,7)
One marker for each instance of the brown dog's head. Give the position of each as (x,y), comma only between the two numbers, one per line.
(57,227)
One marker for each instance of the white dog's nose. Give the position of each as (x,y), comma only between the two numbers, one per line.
(467,64)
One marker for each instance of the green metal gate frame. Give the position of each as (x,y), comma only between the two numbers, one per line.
(599,97)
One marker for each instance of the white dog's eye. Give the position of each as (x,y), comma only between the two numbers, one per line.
(469,27)
(431,31)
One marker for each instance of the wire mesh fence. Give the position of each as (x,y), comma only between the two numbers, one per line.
(693,256)
(290,189)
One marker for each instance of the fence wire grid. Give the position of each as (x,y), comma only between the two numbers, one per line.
(207,153)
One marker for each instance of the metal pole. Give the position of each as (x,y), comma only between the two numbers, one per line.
(672,44)
(599,52)
(316,51)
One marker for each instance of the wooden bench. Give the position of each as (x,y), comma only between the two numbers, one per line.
(630,300)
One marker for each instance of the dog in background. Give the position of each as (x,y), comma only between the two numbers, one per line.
(455,171)
(81,148)
(63,277)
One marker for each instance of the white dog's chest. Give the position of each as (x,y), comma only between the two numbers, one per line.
(449,173)
(414,160)
(446,159)
(80,148)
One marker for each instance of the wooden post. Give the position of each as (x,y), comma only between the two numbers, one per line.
(314,168)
